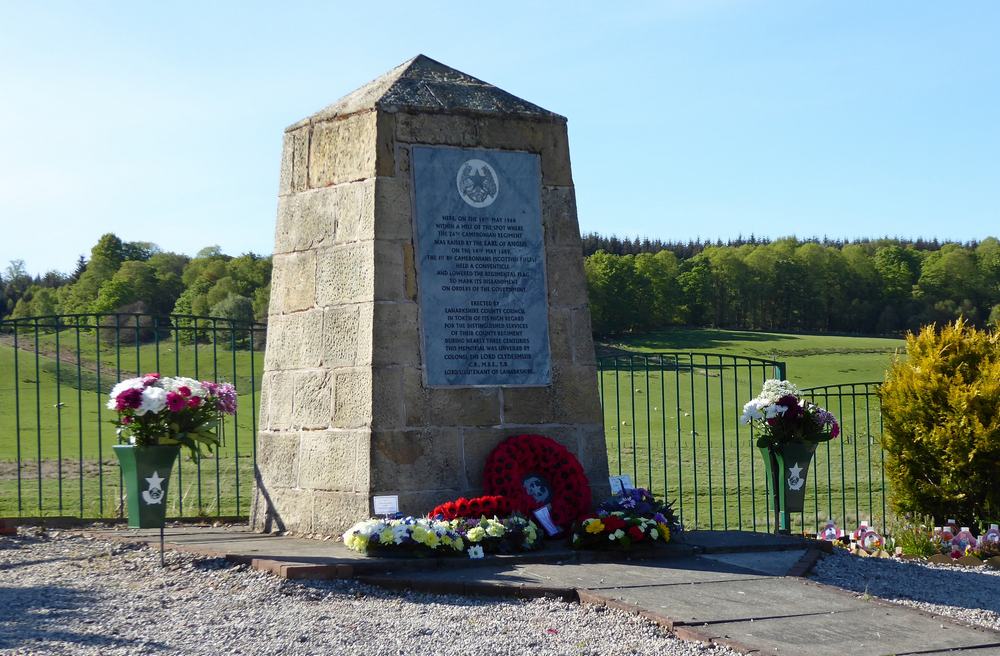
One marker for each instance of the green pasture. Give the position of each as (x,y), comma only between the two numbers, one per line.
(812,360)
(674,424)
(52,410)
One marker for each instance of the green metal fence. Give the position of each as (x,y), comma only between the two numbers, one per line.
(672,422)
(56,433)
(848,474)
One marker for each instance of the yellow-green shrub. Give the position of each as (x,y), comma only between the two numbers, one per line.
(941,434)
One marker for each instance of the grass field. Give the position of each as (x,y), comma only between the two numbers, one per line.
(52,411)
(811,360)
(672,423)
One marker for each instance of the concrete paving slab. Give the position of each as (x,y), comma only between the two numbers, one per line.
(591,576)
(876,629)
(732,601)
(295,557)
(775,563)
(493,574)
(731,541)
(239,541)
(241,544)
(731,592)
(234,541)
(676,571)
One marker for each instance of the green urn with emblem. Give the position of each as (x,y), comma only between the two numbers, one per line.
(787,430)
(157,416)
(145,475)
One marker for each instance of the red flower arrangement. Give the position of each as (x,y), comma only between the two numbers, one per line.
(462,508)
(557,474)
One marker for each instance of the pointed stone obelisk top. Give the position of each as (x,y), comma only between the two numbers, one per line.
(426,85)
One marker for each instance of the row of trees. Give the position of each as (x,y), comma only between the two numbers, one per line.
(875,287)
(139,277)
(593,242)
(868,286)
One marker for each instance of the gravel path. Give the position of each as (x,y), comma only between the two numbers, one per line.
(65,594)
(970,595)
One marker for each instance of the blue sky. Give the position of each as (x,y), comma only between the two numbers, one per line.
(162,121)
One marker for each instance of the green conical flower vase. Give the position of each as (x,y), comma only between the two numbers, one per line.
(146,473)
(787,467)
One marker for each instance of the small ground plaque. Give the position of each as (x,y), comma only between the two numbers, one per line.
(481,264)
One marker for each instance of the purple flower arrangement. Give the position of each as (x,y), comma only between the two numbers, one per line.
(640,502)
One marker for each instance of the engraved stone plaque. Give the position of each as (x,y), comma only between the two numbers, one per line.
(481,267)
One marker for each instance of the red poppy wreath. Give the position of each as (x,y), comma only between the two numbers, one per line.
(533,471)
(462,508)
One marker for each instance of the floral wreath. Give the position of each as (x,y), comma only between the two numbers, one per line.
(523,457)
(462,508)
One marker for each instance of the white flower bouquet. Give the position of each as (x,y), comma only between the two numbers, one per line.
(782,416)
(155,410)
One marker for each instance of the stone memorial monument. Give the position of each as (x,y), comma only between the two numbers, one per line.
(427,300)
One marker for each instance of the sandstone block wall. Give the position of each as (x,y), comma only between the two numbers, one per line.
(344,411)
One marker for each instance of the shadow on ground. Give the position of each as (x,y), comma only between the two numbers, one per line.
(881,576)
(32,617)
